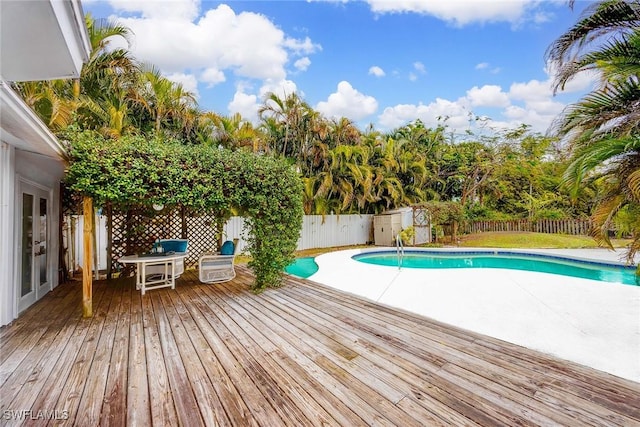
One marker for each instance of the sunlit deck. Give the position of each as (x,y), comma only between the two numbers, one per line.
(303,354)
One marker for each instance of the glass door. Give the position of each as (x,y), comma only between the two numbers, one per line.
(33,243)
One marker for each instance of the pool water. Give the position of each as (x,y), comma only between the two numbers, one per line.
(513,261)
(302,267)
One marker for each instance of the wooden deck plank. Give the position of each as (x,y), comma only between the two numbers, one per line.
(519,389)
(74,386)
(411,373)
(143,376)
(26,318)
(24,380)
(218,338)
(614,393)
(16,346)
(228,407)
(114,405)
(160,397)
(180,387)
(461,396)
(205,399)
(89,410)
(375,408)
(251,356)
(303,354)
(318,409)
(51,387)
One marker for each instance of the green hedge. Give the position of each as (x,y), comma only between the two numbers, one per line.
(135,171)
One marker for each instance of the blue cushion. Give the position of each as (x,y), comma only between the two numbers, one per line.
(173,245)
(227,248)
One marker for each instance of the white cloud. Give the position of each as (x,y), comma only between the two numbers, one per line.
(584,81)
(212,76)
(210,46)
(282,88)
(419,67)
(245,104)
(348,102)
(487,96)
(531,90)
(529,102)
(376,71)
(178,10)
(463,12)
(302,47)
(486,66)
(188,82)
(455,112)
(302,64)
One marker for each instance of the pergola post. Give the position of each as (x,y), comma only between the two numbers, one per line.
(87,244)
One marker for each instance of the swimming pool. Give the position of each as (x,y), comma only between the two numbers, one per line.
(602,271)
(302,267)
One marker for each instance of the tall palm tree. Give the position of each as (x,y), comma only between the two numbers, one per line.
(294,118)
(167,102)
(107,67)
(603,128)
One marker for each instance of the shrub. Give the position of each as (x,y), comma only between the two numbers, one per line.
(135,171)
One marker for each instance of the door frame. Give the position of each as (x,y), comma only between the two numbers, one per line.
(38,289)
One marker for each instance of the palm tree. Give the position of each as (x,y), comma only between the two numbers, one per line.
(107,67)
(104,77)
(167,102)
(47,99)
(602,129)
(294,118)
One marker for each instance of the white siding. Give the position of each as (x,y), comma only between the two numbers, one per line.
(7,243)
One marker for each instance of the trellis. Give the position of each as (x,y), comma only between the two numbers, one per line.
(134,231)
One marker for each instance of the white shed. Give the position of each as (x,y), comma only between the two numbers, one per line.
(387,225)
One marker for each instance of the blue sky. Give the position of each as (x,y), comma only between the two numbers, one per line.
(380,62)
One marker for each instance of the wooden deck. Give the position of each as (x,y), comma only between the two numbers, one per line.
(303,354)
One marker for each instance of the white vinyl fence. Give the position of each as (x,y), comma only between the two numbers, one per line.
(317,232)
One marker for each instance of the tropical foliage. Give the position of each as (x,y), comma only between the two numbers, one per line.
(589,165)
(602,129)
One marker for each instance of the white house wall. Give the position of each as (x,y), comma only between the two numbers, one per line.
(7,194)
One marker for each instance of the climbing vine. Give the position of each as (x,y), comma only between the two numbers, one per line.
(136,170)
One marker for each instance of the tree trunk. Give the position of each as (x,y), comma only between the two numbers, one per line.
(87,279)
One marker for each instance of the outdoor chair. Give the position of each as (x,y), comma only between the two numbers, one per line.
(218,267)
(169,245)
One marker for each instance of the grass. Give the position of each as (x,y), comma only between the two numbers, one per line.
(527,240)
(506,239)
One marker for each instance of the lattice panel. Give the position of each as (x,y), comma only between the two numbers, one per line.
(135,231)
(204,234)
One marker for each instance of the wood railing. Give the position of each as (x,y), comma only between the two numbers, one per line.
(574,227)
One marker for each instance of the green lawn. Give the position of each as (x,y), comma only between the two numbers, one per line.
(527,240)
(506,239)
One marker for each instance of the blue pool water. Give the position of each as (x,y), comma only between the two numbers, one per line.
(508,260)
(302,267)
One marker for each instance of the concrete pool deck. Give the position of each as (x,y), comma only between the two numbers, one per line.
(593,323)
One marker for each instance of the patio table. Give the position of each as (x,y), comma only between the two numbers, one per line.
(167,260)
